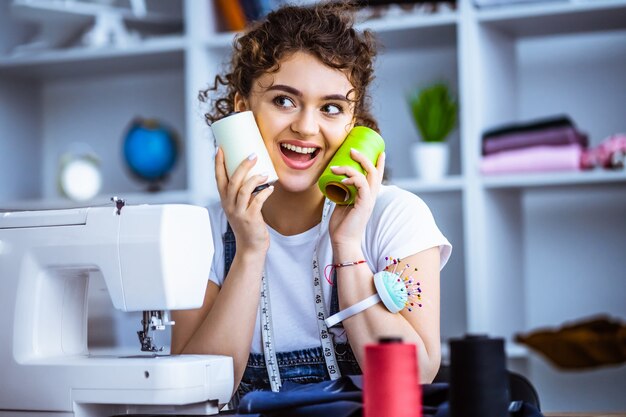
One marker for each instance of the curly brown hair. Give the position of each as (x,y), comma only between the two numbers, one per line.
(324,30)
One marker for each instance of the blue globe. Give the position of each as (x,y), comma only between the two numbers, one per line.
(150,150)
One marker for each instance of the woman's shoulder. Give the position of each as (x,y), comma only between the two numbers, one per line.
(402,224)
(217,216)
(396,206)
(392,197)
(215,207)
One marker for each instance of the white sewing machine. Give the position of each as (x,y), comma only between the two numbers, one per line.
(152,259)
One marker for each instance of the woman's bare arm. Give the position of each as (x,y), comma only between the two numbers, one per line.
(224,325)
(420,326)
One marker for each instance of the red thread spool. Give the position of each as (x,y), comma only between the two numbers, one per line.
(390,380)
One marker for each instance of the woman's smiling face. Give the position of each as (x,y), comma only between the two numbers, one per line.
(304,114)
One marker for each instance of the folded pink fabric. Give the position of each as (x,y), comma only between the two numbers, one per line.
(560,135)
(533,159)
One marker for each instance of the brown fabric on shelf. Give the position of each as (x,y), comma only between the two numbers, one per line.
(590,343)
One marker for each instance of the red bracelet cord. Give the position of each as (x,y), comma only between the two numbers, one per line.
(341,265)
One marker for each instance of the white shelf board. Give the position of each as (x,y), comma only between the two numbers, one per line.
(416,185)
(61,11)
(221,40)
(515,351)
(157,53)
(409,21)
(428,30)
(414,30)
(164,197)
(558,17)
(511,350)
(551,179)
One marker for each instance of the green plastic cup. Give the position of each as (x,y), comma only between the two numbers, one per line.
(364,140)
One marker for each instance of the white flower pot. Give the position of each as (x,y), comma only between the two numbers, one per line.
(430,160)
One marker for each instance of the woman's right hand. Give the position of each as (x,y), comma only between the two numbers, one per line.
(242,208)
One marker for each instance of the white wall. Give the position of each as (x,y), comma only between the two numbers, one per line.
(74,106)
(21,114)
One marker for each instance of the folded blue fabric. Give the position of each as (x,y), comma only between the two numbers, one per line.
(343,397)
(336,408)
(299,395)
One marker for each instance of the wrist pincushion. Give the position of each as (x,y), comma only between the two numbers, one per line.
(391,290)
(395,291)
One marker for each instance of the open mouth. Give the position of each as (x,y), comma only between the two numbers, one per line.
(298,153)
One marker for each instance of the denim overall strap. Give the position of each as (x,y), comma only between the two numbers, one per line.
(334,299)
(230,247)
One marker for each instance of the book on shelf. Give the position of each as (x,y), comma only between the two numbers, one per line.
(232,14)
(237,14)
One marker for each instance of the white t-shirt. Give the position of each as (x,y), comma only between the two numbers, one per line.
(397,215)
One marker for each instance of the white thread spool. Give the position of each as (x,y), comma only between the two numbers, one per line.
(238,135)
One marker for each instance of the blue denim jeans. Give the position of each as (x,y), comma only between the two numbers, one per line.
(299,366)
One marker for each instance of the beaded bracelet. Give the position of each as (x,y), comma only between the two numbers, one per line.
(393,290)
(340,265)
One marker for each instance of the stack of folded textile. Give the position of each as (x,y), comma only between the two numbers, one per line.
(552,144)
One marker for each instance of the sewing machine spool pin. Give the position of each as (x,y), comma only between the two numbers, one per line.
(119,203)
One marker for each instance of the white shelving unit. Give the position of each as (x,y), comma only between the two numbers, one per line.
(545,249)
(530,250)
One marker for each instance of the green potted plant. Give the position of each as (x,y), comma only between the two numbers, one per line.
(434,110)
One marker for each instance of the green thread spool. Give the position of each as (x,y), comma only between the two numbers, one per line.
(364,140)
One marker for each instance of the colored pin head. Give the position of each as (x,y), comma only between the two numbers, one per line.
(397,291)
(392,288)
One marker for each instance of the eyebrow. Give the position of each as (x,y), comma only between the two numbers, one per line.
(298,93)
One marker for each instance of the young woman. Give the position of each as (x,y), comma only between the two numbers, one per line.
(304,73)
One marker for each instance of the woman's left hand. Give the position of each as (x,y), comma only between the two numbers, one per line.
(347,223)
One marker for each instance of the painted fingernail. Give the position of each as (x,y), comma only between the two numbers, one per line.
(252,156)
(345,179)
(354,150)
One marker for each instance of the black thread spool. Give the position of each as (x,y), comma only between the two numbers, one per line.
(478,377)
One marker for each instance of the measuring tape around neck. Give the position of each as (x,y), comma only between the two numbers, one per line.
(267,337)
(326,338)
